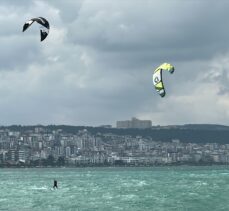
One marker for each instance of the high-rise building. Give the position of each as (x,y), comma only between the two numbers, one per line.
(12,155)
(21,155)
(68,151)
(134,123)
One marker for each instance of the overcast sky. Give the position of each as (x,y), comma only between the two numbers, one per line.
(96,65)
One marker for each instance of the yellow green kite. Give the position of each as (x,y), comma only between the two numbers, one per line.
(157,77)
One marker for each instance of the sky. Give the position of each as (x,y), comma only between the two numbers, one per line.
(95,67)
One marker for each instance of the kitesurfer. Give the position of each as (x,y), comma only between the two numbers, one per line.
(55,184)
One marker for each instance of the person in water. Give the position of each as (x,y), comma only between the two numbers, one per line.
(55,184)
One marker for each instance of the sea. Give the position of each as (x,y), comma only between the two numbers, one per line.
(194,188)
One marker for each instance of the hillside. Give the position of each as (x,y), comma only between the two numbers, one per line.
(195,133)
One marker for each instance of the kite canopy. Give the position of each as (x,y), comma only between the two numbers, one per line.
(44,29)
(157,77)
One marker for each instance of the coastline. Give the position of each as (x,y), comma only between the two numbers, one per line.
(116,166)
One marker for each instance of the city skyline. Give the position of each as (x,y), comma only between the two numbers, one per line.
(45,147)
(96,64)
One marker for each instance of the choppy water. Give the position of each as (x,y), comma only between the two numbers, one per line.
(105,189)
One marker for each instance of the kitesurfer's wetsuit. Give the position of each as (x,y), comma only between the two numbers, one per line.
(55,184)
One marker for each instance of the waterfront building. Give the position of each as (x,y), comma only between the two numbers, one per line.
(21,155)
(12,155)
(3,156)
(68,151)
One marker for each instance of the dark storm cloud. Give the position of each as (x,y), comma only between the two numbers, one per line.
(180,31)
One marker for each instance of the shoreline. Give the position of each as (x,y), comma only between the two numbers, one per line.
(113,166)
